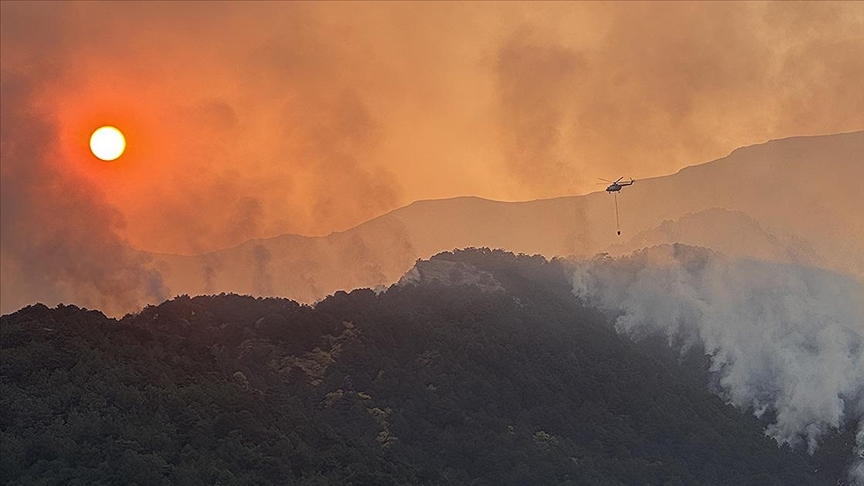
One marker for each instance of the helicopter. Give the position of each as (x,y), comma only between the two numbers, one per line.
(615,188)
(617,185)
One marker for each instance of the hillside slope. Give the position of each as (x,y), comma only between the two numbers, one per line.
(437,380)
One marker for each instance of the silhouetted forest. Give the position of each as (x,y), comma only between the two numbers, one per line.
(435,382)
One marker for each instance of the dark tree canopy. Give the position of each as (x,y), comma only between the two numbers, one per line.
(446,381)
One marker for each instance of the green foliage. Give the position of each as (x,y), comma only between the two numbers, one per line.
(426,384)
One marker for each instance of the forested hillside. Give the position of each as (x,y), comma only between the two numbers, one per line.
(480,368)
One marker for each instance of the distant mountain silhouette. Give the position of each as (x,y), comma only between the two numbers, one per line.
(712,229)
(807,192)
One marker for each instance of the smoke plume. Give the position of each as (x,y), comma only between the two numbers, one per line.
(262,281)
(58,238)
(781,338)
(312,117)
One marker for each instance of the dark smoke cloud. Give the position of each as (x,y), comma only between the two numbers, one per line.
(262,280)
(59,239)
(336,134)
(266,131)
(211,264)
(536,83)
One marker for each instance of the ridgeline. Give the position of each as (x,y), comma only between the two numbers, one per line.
(478,368)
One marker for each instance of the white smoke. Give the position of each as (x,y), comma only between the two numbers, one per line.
(784,338)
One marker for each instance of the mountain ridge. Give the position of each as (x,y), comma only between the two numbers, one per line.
(786,203)
(743,149)
(790,187)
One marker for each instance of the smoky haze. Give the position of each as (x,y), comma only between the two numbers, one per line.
(59,239)
(782,338)
(247,121)
(314,117)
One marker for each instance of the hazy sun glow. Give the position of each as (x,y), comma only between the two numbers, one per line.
(107,143)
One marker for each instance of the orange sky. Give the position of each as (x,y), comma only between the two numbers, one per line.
(251,120)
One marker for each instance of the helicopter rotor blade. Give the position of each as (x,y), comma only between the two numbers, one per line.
(604,180)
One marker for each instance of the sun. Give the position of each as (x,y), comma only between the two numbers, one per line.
(107,143)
